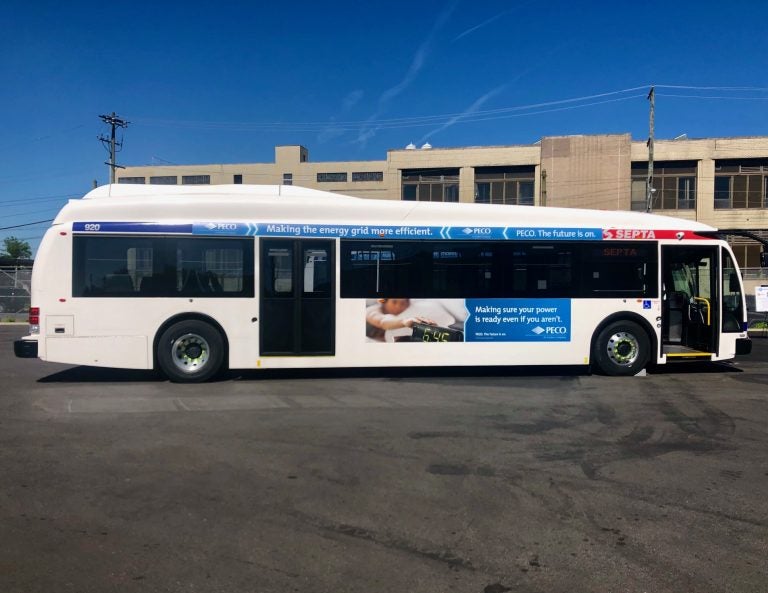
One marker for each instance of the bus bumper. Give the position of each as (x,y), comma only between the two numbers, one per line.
(25,348)
(743,346)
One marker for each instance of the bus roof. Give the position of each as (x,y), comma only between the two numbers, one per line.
(282,203)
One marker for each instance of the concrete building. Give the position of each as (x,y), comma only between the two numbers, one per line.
(718,181)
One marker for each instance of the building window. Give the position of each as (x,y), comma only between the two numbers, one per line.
(331,177)
(431,185)
(747,253)
(368,176)
(504,185)
(639,197)
(130,180)
(741,183)
(237,180)
(164,180)
(195,179)
(674,182)
(287,178)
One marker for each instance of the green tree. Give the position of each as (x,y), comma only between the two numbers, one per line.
(16,248)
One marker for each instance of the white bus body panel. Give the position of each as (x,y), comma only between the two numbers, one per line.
(120,332)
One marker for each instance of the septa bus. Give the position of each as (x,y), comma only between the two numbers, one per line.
(192,280)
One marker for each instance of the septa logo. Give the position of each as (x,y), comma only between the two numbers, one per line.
(629,234)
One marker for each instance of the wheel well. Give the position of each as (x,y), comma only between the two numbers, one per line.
(188,317)
(635,318)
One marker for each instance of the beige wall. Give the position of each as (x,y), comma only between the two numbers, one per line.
(587,171)
(581,171)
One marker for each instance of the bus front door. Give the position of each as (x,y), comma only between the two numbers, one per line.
(690,309)
(297,297)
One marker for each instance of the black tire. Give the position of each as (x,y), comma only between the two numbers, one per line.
(190,352)
(622,348)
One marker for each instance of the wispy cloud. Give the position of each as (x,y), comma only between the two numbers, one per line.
(475,106)
(369,130)
(352,99)
(490,20)
(481,25)
(332,130)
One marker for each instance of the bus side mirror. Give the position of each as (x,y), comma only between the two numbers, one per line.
(764,259)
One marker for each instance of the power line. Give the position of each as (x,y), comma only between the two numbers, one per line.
(50,198)
(713,88)
(18,226)
(41,138)
(713,97)
(29,238)
(27,213)
(391,122)
(416,121)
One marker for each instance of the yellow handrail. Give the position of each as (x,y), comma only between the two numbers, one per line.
(709,308)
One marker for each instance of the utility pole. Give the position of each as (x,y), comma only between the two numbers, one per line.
(110,143)
(649,189)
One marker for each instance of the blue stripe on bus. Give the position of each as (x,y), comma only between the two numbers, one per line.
(347,231)
(131,227)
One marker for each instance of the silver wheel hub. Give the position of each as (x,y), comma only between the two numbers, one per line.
(623,348)
(190,353)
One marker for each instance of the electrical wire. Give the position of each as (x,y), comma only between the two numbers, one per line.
(18,226)
(385,123)
(712,88)
(420,121)
(50,198)
(712,97)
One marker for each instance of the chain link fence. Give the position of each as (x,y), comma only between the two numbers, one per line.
(14,291)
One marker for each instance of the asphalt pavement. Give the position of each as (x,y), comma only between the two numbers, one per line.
(467,480)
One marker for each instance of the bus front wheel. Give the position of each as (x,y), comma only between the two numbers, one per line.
(621,348)
(190,351)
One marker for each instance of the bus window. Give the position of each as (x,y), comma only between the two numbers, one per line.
(542,269)
(317,272)
(621,269)
(107,266)
(111,266)
(733,312)
(278,271)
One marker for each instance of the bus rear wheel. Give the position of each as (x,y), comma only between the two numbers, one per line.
(621,348)
(190,351)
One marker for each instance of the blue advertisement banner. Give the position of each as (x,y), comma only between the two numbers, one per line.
(347,231)
(518,320)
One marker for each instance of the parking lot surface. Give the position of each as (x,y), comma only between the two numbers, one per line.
(482,481)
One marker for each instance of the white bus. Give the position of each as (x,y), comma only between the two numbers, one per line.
(191,280)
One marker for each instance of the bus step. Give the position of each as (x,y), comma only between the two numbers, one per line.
(678,352)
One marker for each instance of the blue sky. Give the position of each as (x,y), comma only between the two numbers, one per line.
(225,82)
